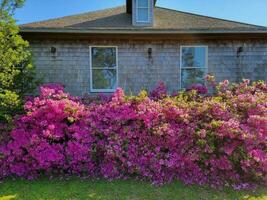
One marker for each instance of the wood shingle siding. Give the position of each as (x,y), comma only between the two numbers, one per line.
(70,65)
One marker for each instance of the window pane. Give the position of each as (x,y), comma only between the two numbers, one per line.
(143,14)
(194,57)
(142,3)
(103,57)
(191,76)
(104,79)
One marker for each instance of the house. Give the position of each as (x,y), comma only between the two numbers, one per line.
(137,45)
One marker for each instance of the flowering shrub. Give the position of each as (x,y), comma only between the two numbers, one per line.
(217,140)
(51,138)
(201,89)
(159,92)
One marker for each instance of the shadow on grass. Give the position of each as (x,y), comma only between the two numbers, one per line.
(77,189)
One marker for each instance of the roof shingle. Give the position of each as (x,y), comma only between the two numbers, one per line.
(118,19)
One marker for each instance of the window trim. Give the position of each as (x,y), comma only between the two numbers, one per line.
(137,12)
(181,61)
(92,90)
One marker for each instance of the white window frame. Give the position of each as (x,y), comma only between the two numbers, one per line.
(92,90)
(137,12)
(181,61)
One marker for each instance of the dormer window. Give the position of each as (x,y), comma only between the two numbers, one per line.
(142,11)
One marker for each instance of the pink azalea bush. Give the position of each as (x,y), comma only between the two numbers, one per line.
(218,140)
(50,138)
(200,88)
(159,92)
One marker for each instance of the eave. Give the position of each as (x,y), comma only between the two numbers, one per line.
(52,33)
(138,31)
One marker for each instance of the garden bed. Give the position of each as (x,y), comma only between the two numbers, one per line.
(193,137)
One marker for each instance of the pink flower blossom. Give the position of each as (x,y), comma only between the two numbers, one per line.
(217,140)
(201,89)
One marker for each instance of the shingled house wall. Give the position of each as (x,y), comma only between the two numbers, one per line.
(70,64)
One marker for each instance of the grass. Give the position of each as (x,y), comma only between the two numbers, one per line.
(76,189)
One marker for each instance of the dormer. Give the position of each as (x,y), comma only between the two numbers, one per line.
(142,12)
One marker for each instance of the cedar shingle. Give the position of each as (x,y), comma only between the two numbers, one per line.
(118,19)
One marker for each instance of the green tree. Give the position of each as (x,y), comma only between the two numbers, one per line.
(9,6)
(17,74)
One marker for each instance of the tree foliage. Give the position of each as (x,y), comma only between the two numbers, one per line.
(16,70)
(9,6)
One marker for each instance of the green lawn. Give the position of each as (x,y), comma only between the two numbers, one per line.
(75,189)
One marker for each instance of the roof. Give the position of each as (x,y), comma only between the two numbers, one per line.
(116,20)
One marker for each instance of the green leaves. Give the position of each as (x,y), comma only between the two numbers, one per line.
(9,6)
(17,74)
(8,102)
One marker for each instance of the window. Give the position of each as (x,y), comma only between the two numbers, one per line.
(104,69)
(142,7)
(194,65)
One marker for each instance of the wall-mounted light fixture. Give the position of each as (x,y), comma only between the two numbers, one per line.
(53,50)
(239,51)
(149,52)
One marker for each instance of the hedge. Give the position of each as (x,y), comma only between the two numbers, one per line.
(219,139)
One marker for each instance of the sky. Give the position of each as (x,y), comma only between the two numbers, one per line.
(248,11)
